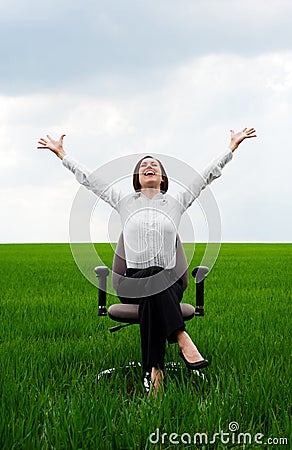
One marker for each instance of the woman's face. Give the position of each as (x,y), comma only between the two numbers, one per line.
(150,174)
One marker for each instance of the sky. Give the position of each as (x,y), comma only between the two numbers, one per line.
(120,79)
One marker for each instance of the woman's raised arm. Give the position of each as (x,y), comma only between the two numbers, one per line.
(90,179)
(213,170)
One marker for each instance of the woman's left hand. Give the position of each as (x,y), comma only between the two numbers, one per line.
(237,138)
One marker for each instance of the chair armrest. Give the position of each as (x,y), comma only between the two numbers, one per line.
(102,272)
(199,273)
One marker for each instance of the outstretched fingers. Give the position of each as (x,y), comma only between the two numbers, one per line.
(42,142)
(237,138)
(50,143)
(251,132)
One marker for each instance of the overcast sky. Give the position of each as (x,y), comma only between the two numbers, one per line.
(125,77)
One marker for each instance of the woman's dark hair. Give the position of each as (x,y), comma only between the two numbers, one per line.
(136,182)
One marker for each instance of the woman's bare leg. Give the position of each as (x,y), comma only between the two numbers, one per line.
(157,377)
(188,348)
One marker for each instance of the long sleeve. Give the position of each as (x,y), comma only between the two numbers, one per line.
(211,172)
(93,182)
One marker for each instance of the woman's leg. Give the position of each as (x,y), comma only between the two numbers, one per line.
(153,338)
(157,377)
(160,319)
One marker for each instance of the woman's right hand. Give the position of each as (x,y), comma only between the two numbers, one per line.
(55,146)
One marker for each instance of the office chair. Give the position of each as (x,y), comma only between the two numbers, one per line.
(127,314)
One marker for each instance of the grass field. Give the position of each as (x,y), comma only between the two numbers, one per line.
(53,345)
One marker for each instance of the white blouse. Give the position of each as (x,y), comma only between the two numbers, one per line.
(150,226)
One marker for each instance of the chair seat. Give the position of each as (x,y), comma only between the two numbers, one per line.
(121,312)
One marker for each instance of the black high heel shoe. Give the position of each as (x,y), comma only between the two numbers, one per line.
(196,365)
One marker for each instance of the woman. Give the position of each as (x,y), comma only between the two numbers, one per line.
(150,219)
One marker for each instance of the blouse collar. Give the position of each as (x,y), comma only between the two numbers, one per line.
(158,196)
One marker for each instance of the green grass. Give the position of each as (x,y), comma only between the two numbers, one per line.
(52,345)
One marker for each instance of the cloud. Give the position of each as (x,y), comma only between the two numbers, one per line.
(187,116)
(63,45)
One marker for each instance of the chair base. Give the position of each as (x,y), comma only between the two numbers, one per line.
(170,368)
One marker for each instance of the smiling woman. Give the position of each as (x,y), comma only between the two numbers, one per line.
(149,174)
(150,219)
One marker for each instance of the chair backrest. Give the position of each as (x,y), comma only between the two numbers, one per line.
(119,263)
